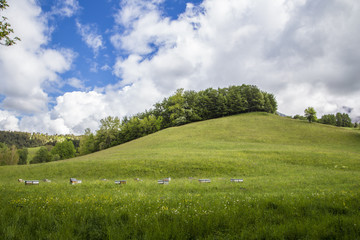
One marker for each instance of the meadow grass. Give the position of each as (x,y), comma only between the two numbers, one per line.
(31,153)
(301,181)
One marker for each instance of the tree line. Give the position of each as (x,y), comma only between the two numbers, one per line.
(12,155)
(27,140)
(180,108)
(338,119)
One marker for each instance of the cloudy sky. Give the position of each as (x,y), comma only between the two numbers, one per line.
(79,61)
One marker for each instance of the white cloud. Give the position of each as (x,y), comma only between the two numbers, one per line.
(76,83)
(90,37)
(8,121)
(66,8)
(76,111)
(305,52)
(297,47)
(35,64)
(105,68)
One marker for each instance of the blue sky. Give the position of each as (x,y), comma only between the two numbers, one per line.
(80,61)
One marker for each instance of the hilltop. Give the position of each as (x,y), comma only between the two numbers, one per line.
(254,144)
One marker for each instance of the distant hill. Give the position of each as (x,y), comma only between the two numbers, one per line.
(253,144)
(25,139)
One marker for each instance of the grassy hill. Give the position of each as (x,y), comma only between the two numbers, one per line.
(251,145)
(301,180)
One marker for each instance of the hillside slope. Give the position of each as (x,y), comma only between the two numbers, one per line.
(253,145)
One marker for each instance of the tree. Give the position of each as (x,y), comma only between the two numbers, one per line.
(328,119)
(8,156)
(64,149)
(87,143)
(23,154)
(107,135)
(5,28)
(310,114)
(297,116)
(42,155)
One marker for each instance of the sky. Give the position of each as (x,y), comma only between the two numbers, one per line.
(80,61)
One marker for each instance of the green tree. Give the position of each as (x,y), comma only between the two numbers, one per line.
(64,149)
(87,143)
(5,28)
(42,155)
(328,119)
(107,135)
(310,114)
(346,120)
(8,156)
(23,155)
(254,98)
(297,116)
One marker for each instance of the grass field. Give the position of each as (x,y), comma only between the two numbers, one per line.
(31,153)
(301,181)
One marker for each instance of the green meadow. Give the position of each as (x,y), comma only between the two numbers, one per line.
(301,181)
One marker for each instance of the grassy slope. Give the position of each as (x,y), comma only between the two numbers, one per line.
(300,182)
(259,146)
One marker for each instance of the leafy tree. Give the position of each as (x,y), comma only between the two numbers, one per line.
(328,119)
(270,104)
(176,108)
(254,98)
(23,155)
(5,28)
(107,135)
(8,156)
(236,102)
(345,120)
(42,155)
(64,149)
(87,143)
(297,116)
(191,112)
(310,114)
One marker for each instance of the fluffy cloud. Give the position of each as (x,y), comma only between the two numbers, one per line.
(303,51)
(76,83)
(76,111)
(65,8)
(8,121)
(90,36)
(35,64)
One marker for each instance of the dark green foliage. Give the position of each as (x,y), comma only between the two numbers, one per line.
(181,108)
(343,120)
(87,143)
(340,120)
(8,155)
(64,149)
(328,119)
(23,154)
(297,116)
(27,140)
(42,155)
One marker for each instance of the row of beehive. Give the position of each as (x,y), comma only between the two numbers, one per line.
(163,181)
